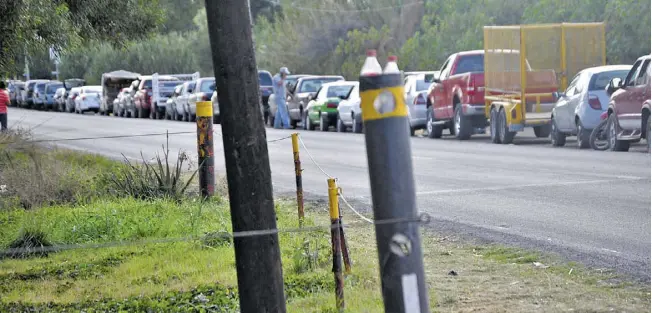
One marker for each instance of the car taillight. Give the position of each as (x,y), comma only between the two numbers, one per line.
(74,96)
(204,97)
(594,102)
(331,105)
(420,100)
(470,89)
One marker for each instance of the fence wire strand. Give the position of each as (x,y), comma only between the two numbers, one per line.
(312,158)
(422,219)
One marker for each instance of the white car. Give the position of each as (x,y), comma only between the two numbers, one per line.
(349,111)
(70,100)
(181,101)
(89,99)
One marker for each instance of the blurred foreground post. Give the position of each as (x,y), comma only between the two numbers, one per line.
(389,156)
(258,258)
(297,173)
(336,244)
(205,149)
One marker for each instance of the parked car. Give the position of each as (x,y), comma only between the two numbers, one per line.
(38,96)
(15,90)
(456,95)
(266,89)
(416,94)
(297,98)
(181,101)
(28,92)
(628,113)
(349,111)
(50,91)
(89,99)
(216,104)
(119,102)
(143,98)
(62,93)
(70,100)
(577,110)
(60,99)
(322,107)
(203,91)
(112,84)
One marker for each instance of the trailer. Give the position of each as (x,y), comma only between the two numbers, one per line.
(525,65)
(112,83)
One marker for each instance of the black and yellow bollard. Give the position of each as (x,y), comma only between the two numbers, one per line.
(389,156)
(206,160)
(336,245)
(297,171)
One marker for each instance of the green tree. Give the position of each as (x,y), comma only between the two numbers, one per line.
(28,26)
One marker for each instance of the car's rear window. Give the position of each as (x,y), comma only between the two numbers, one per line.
(422,85)
(312,85)
(40,87)
(470,63)
(207,86)
(170,83)
(338,91)
(53,88)
(600,81)
(265,79)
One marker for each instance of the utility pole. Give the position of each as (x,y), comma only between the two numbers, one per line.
(258,258)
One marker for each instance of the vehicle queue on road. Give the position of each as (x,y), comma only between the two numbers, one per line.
(498,90)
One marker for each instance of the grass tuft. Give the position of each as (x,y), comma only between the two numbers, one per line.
(28,244)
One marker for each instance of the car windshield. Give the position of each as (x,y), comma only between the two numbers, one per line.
(265,79)
(600,81)
(53,88)
(170,83)
(93,90)
(40,87)
(338,91)
(312,85)
(207,86)
(422,85)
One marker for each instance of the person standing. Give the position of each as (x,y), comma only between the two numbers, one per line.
(282,118)
(4,103)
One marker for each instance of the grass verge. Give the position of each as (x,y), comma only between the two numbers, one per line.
(166,254)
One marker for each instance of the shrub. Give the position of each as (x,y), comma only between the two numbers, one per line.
(29,243)
(147,181)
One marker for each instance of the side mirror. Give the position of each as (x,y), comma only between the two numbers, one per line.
(614,84)
(557,95)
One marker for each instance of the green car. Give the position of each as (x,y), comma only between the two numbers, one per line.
(322,108)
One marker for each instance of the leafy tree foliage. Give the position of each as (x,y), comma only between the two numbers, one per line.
(29,26)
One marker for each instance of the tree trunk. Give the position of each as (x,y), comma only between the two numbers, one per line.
(258,258)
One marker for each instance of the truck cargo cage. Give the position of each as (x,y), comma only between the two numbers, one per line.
(526,64)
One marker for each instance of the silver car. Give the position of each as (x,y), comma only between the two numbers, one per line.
(578,109)
(349,111)
(70,100)
(181,101)
(416,90)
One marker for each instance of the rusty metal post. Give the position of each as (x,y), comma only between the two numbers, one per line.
(297,171)
(345,246)
(206,160)
(336,246)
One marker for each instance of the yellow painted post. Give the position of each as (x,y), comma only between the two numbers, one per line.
(297,173)
(336,247)
(206,156)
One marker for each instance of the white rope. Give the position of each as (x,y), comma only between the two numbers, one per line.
(362,217)
(313,159)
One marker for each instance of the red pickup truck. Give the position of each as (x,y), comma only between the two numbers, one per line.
(456,97)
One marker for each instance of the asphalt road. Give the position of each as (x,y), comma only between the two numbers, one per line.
(589,206)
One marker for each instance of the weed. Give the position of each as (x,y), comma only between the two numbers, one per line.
(148,181)
(28,244)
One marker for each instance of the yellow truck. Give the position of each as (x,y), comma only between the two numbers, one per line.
(526,65)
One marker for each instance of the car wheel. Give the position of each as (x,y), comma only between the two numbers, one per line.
(434,131)
(271,121)
(323,122)
(494,124)
(461,124)
(506,136)
(648,133)
(341,128)
(542,131)
(557,138)
(614,143)
(357,125)
(583,136)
